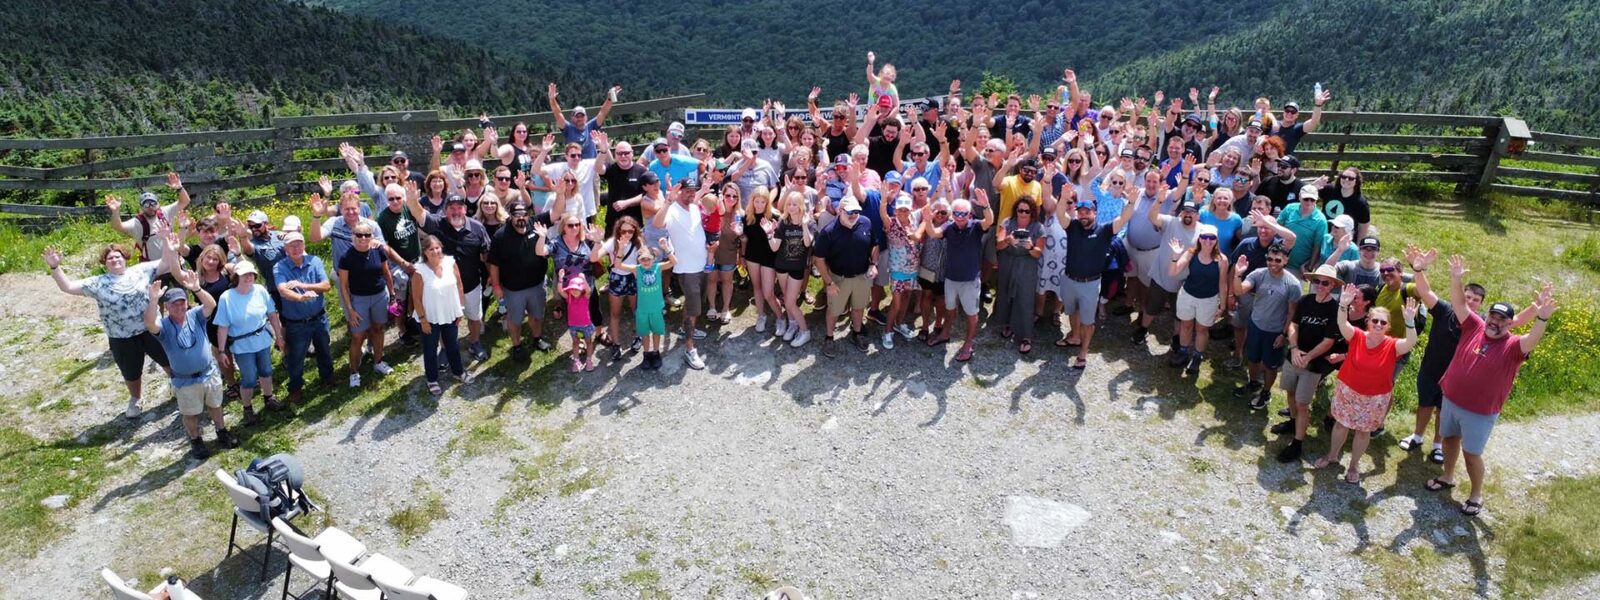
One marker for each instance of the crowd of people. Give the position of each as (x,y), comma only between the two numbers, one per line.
(905,221)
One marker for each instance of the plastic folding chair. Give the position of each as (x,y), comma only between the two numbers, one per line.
(121,591)
(356,580)
(312,555)
(245,508)
(424,588)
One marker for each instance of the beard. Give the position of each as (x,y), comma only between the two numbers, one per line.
(1188,220)
(1492,330)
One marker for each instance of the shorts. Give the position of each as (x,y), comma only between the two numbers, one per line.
(693,286)
(884,276)
(797,274)
(373,310)
(649,322)
(1142,259)
(1471,427)
(523,304)
(723,268)
(623,285)
(1081,297)
(194,399)
(964,292)
(854,294)
(937,287)
(129,353)
(905,286)
(1429,394)
(1203,311)
(1258,347)
(1241,312)
(713,236)
(253,366)
(474,306)
(582,331)
(1301,384)
(1156,300)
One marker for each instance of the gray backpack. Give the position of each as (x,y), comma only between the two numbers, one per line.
(276,480)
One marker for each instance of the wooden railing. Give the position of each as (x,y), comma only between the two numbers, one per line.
(1473,152)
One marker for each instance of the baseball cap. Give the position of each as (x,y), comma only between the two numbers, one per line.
(458,147)
(1190,205)
(291,223)
(885,101)
(1295,106)
(749,146)
(902,201)
(148,199)
(749,113)
(1086,204)
(1344,222)
(894,177)
(1193,119)
(1205,229)
(1255,123)
(649,178)
(455,199)
(474,165)
(842,160)
(244,267)
(659,142)
(1505,309)
(1370,241)
(930,104)
(849,203)
(399,155)
(1289,160)
(173,295)
(579,110)
(256,216)
(292,237)
(1047,151)
(575,282)
(675,128)
(1126,153)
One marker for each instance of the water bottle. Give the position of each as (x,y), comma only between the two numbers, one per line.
(1316,92)
(175,588)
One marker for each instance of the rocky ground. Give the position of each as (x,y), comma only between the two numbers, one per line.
(898,474)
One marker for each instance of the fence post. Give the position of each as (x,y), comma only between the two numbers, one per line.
(1498,143)
(283,150)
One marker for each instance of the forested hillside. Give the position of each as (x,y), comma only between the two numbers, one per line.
(133,66)
(1535,58)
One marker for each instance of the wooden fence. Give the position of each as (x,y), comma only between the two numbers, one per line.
(1476,153)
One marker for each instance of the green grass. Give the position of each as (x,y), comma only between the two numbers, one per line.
(415,520)
(32,470)
(21,251)
(1556,544)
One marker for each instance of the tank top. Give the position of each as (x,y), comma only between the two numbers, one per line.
(1202,280)
(440,298)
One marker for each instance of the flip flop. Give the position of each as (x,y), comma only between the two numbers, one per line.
(964,355)
(1322,463)
(1356,481)
(1080,364)
(1472,508)
(1025,347)
(938,340)
(1436,485)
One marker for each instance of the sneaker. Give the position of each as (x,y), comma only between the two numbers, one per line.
(699,334)
(382,368)
(800,339)
(781,329)
(1195,358)
(1247,390)
(638,342)
(132,412)
(829,349)
(1291,453)
(542,345)
(464,378)
(616,354)
(1283,412)
(480,352)
(876,316)
(859,340)
(519,353)
(589,366)
(711,314)
(1233,362)
(888,341)
(1262,400)
(692,358)
(198,450)
(227,438)
(250,417)
(905,331)
(355,380)
(577,365)
(1282,427)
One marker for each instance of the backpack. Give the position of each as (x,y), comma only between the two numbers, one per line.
(276,480)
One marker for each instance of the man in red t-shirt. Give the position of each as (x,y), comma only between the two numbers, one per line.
(1479,380)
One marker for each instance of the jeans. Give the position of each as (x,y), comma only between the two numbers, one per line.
(299,337)
(430,350)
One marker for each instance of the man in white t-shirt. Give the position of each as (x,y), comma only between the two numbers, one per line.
(583,168)
(681,220)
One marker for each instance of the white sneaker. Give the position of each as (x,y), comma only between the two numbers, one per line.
(699,334)
(355,380)
(132,411)
(801,338)
(692,358)
(905,331)
(781,329)
(761,324)
(888,341)
(382,368)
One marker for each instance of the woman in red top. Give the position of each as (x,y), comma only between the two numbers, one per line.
(1365,385)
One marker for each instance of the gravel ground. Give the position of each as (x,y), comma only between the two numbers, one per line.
(882,475)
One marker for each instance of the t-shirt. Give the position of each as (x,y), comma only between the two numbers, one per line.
(401,232)
(1481,372)
(687,237)
(1306,230)
(1227,229)
(870,212)
(1171,229)
(1316,321)
(649,284)
(757,248)
(268,251)
(1012,188)
(365,271)
(585,175)
(1351,271)
(341,236)
(192,256)
(880,154)
(682,170)
(515,256)
(627,254)
(1369,371)
(847,251)
(147,246)
(578,308)
(188,349)
(122,298)
(963,248)
(1001,130)
(983,177)
(759,175)
(792,252)
(1142,234)
(1394,299)
(1088,248)
(245,314)
(1329,248)
(584,136)
(1442,340)
(623,184)
(1291,136)
(1272,297)
(1282,193)
(467,244)
(1252,248)
(1335,204)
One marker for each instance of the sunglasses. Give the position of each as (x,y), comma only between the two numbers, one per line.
(919,153)
(256,225)
(362,235)
(572,156)
(1118,183)
(474,175)
(1291,111)
(1024,211)
(1378,321)
(941,212)
(1347,177)
(391,178)
(572,225)
(1246,178)
(1386,269)
(624,153)
(1074,161)
(396,198)
(397,161)
(569,181)
(502,178)
(1208,237)
(853,212)
(1276,261)
(625,231)
(1323,282)
(960,213)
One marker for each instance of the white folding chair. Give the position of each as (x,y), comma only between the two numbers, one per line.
(312,555)
(121,591)
(424,588)
(356,580)
(245,507)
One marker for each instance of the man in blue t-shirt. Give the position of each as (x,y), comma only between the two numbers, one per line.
(195,379)
(963,256)
(579,129)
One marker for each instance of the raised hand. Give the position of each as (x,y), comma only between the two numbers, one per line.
(319,206)
(871,58)
(1068,76)
(1176,245)
(547,144)
(326,185)
(1347,296)
(1547,307)
(1411,310)
(1243,266)
(614,92)
(411,188)
(1320,182)
(190,280)
(852,101)
(1194,96)
(173,181)
(981,198)
(815,91)
(114,204)
(1458,266)
(1213,95)
(52,257)
(955,86)
(551,90)
(601,139)
(437,143)
(1161,96)
(1033,102)
(540,229)
(156,290)
(224,211)
(1323,98)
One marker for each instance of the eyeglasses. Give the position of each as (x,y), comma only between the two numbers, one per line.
(1202,180)
(960,213)
(396,198)
(502,178)
(362,235)
(1378,321)
(1323,282)
(1118,183)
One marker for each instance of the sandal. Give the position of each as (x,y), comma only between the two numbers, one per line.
(1066,343)
(1005,333)
(1080,364)
(943,339)
(1025,347)
(964,355)
(1410,443)
(1471,508)
(1322,463)
(1438,484)
(1437,456)
(433,388)
(1352,478)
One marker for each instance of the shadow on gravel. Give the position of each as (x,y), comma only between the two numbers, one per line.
(1337,502)
(1436,519)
